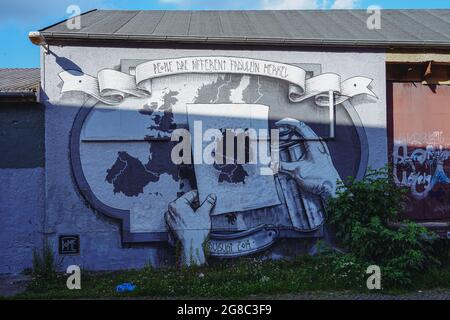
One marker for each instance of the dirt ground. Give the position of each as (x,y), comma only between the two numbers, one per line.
(10,285)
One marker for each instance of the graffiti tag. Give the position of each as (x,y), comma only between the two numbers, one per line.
(420,169)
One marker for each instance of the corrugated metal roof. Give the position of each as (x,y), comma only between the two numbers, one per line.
(19,80)
(400,28)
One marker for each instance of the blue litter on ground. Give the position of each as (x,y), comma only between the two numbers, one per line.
(125,287)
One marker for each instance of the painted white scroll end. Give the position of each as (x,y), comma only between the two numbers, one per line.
(356,86)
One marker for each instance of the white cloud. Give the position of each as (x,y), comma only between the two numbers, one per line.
(289,4)
(307,4)
(210,5)
(344,4)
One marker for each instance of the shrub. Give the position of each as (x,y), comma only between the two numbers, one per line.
(44,265)
(361,214)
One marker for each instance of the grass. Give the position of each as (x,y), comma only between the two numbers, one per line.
(231,279)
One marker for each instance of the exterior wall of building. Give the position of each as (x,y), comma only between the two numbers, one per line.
(21,183)
(107,243)
(420,155)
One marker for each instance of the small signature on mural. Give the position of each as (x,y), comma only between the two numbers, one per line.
(230,247)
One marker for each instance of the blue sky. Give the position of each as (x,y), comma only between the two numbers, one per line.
(18,17)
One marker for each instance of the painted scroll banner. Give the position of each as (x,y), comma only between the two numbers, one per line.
(243,243)
(112,86)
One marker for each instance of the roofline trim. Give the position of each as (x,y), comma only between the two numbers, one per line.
(17,96)
(58,36)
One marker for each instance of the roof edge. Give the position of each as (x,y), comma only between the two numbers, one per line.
(92,38)
(64,20)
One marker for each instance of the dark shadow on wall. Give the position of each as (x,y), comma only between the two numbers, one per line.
(66,64)
(22,187)
(22,135)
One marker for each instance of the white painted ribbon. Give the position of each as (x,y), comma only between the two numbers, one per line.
(112,86)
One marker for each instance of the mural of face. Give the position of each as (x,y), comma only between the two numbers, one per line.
(135,181)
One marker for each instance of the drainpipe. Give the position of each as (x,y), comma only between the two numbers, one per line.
(38,39)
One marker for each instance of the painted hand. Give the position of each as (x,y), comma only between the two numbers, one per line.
(315,171)
(192,227)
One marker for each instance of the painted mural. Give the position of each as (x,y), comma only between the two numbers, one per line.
(134,116)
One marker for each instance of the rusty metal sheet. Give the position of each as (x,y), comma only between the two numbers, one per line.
(420,144)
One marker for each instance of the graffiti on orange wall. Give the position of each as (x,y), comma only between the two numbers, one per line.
(421,148)
(422,169)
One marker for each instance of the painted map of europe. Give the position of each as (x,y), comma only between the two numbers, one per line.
(129,175)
